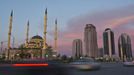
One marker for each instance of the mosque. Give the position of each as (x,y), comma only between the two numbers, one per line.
(35,47)
(31,49)
(36,42)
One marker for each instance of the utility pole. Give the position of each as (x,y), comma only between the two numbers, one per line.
(1,46)
(13,41)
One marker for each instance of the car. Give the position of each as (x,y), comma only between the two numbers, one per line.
(128,64)
(33,67)
(85,64)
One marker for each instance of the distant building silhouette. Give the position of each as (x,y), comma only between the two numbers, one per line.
(108,42)
(124,45)
(100,52)
(90,40)
(77,48)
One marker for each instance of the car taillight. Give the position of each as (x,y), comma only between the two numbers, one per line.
(28,65)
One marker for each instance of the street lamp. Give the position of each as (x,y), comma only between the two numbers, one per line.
(2,42)
(13,41)
(1,46)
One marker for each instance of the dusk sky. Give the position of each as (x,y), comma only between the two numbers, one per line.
(72,16)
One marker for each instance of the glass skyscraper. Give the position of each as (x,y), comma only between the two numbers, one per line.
(108,42)
(124,45)
(77,48)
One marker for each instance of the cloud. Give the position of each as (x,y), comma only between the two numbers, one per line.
(116,19)
(120,21)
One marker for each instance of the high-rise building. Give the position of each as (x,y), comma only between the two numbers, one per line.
(108,42)
(90,40)
(100,52)
(77,48)
(124,45)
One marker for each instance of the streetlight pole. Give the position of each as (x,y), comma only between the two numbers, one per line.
(1,46)
(13,42)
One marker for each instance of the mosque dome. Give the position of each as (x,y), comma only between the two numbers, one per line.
(37,37)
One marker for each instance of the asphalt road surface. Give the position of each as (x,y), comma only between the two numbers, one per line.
(108,69)
(54,69)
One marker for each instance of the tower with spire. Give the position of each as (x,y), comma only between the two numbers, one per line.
(45,32)
(55,36)
(9,35)
(27,33)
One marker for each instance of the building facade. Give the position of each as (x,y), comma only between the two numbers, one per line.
(100,52)
(77,48)
(108,42)
(124,45)
(35,42)
(90,41)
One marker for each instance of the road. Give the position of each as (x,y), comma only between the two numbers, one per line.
(106,69)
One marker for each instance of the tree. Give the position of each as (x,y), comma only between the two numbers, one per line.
(22,55)
(58,56)
(64,57)
(21,46)
(2,56)
(49,51)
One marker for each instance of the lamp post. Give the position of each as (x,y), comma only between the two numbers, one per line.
(13,41)
(1,46)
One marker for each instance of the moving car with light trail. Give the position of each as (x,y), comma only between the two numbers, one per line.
(85,64)
(33,67)
(129,64)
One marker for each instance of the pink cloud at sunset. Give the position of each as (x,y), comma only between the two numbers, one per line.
(72,35)
(120,20)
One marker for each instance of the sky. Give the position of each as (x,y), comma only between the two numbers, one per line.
(72,16)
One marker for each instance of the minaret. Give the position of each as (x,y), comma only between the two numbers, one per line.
(45,32)
(55,36)
(27,33)
(9,35)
